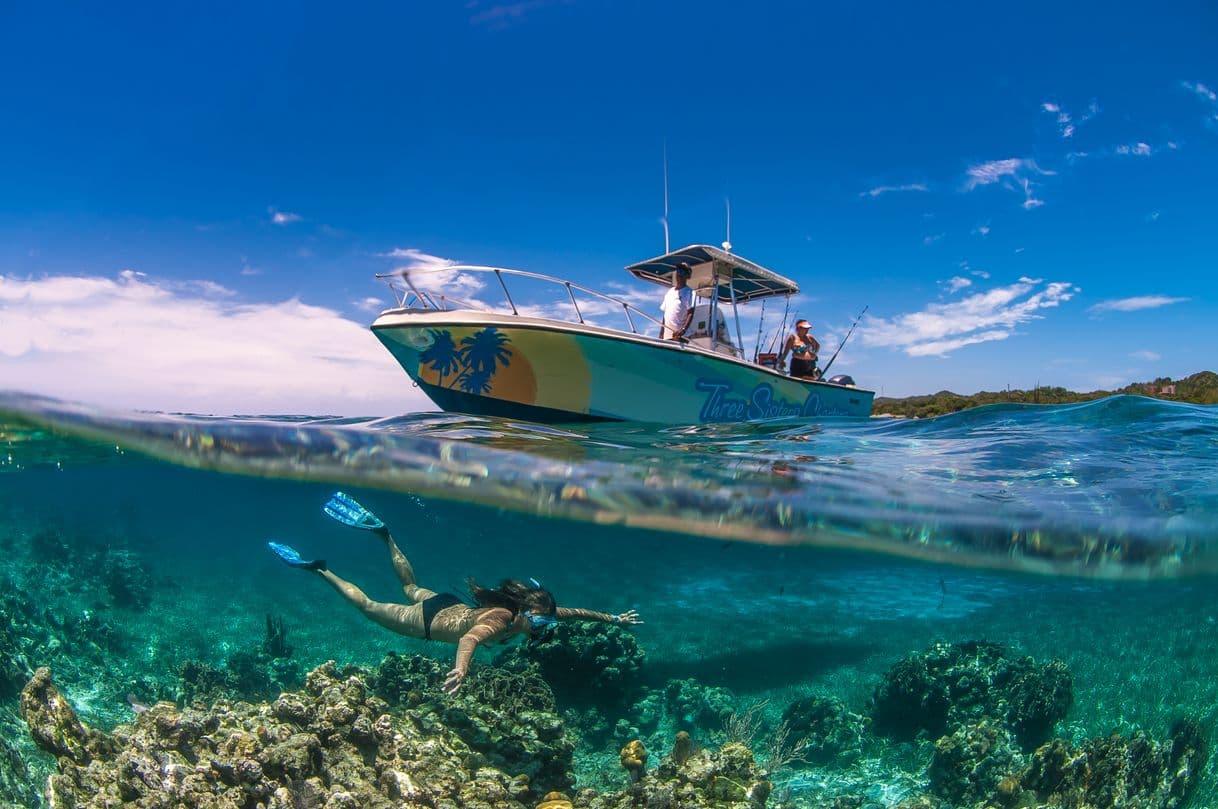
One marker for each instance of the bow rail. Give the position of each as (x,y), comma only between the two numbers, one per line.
(409,294)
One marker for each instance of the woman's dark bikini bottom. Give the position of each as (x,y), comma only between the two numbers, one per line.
(433,605)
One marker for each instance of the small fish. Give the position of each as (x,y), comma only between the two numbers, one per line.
(782,588)
(135,704)
(943,592)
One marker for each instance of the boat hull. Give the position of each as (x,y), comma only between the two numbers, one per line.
(551,371)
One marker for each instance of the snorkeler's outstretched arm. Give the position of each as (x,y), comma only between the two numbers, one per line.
(491,624)
(577,614)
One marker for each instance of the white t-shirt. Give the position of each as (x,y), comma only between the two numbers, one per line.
(676,306)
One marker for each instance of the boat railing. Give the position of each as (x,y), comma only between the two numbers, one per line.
(409,294)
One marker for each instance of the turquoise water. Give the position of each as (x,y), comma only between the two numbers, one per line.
(776,560)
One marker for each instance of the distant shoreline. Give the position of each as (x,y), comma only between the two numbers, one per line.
(1199,388)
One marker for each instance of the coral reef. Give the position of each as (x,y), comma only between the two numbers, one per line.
(949,685)
(332,744)
(508,716)
(336,744)
(1115,770)
(586,664)
(728,778)
(970,764)
(828,730)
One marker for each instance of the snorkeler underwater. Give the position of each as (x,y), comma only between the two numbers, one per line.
(167,643)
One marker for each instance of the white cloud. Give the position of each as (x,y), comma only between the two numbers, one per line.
(1010,173)
(932,238)
(1135,304)
(941,328)
(369,304)
(1202,90)
(1140,149)
(888,189)
(436,276)
(283,217)
(147,344)
(982,230)
(956,283)
(1148,356)
(499,16)
(1066,124)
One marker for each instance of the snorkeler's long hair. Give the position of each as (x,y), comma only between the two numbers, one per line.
(514,595)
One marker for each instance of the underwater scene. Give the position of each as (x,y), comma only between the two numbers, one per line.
(1012,606)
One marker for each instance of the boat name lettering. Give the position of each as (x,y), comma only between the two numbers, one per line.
(762,403)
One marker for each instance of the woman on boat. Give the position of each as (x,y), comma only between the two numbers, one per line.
(803,348)
(499,614)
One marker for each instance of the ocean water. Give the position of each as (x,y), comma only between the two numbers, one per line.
(777,560)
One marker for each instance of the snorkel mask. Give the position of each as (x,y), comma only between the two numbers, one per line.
(542,628)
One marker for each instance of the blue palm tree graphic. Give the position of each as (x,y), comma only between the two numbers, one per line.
(442,355)
(481,354)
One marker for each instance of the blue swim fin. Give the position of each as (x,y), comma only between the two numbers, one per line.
(342,507)
(289,555)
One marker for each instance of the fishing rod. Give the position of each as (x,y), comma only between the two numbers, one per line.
(757,348)
(781,326)
(843,343)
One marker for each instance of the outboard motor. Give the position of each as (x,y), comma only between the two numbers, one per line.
(841,379)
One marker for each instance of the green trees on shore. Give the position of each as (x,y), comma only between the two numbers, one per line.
(1200,388)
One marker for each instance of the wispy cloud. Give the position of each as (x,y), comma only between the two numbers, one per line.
(889,189)
(1146,356)
(1067,125)
(503,15)
(982,230)
(1135,304)
(153,344)
(956,283)
(283,217)
(1011,173)
(1208,97)
(369,304)
(1140,149)
(931,238)
(434,275)
(985,316)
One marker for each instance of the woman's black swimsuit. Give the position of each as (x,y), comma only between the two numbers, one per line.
(433,605)
(802,367)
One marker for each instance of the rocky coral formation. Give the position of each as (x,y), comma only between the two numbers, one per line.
(949,685)
(336,744)
(980,765)
(829,731)
(1133,771)
(332,744)
(970,764)
(586,664)
(728,778)
(509,716)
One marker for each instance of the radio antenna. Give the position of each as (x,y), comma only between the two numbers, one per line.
(664,220)
(727,243)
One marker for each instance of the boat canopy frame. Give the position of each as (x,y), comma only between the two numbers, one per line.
(711,268)
(745,281)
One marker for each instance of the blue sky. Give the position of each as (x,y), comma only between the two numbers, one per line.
(194,200)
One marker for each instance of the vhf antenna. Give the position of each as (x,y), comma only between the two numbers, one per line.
(727,243)
(664,220)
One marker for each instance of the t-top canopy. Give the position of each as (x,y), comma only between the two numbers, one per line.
(749,280)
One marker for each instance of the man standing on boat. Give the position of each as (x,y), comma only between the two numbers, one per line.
(678,305)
